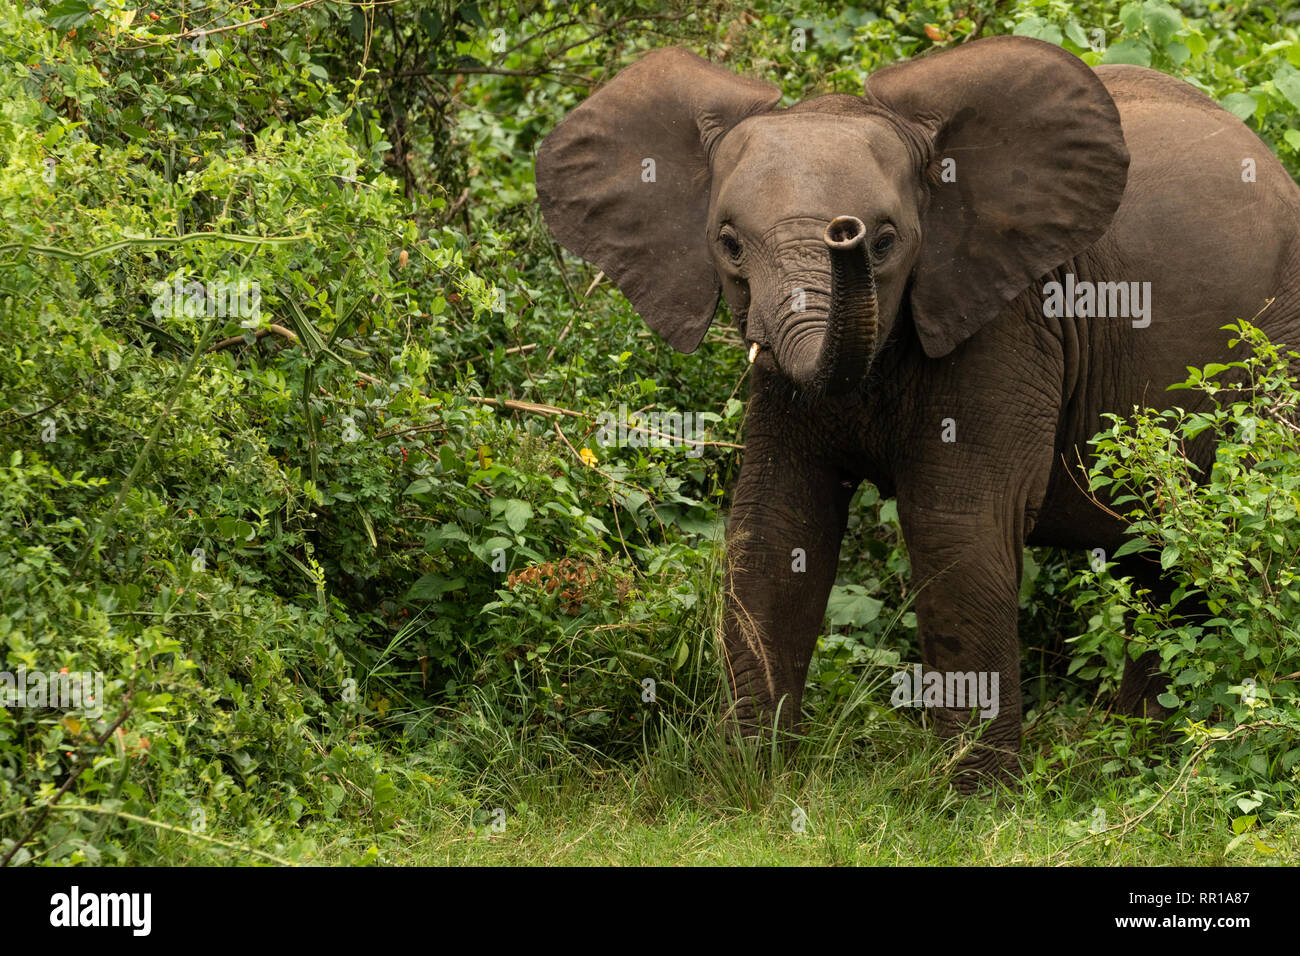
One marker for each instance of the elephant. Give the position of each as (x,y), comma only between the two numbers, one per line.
(943,284)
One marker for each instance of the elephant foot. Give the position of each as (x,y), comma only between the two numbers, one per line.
(997,772)
(747,724)
(987,755)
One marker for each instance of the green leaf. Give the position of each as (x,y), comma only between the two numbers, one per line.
(430,587)
(517,514)
(851,606)
(683,652)
(431,20)
(889,511)
(1169,556)
(1287,81)
(1039,29)
(1240,105)
(449,460)
(1128,50)
(234,529)
(469,12)
(1167,700)
(69,14)
(1028,576)
(1131,546)
(1162,20)
(438,537)
(484,549)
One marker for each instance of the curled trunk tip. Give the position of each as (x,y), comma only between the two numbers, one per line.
(849,338)
(844,232)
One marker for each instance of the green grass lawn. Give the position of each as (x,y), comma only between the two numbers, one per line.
(860,799)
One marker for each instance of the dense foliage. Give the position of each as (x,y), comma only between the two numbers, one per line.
(1227,635)
(352,536)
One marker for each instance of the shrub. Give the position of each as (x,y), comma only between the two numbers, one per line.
(1229,637)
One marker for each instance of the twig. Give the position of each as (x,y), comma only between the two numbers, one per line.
(450,214)
(414,430)
(514,350)
(57,253)
(533,408)
(90,808)
(281,331)
(569,324)
(1087,493)
(573,78)
(53,404)
(1122,829)
(257,334)
(616,25)
(190,34)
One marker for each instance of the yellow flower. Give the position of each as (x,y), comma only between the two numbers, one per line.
(588,457)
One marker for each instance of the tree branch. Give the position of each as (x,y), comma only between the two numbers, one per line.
(279,330)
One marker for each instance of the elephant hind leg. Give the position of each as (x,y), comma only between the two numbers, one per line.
(1143,679)
(1143,682)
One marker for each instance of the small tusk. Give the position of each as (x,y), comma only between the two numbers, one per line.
(753,352)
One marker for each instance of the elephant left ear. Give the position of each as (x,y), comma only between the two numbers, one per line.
(1038,168)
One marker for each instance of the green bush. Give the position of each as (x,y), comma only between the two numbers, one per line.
(1228,637)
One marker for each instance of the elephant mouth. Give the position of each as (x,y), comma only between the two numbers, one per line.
(829,354)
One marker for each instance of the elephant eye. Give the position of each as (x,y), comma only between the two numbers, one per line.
(880,248)
(730,244)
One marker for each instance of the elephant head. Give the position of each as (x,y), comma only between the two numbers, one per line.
(953,183)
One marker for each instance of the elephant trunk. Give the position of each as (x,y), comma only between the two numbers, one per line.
(834,362)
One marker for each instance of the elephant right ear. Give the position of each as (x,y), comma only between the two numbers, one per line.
(1037,149)
(624,182)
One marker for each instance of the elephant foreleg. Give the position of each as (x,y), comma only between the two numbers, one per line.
(968,568)
(783,541)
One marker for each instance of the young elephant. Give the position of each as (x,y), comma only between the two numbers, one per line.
(943,284)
